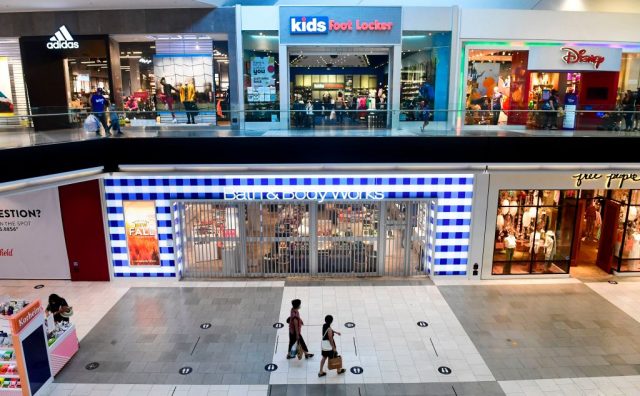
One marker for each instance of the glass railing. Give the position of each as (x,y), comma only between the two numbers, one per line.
(53,125)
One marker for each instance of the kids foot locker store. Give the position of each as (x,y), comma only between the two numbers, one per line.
(289,224)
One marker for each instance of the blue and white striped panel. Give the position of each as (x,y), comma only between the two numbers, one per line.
(431,230)
(178,237)
(453,192)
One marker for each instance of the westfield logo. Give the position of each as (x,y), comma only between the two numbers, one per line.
(573,55)
(6,252)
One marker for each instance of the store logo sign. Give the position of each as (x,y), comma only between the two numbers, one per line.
(620,178)
(309,25)
(62,39)
(318,196)
(573,55)
(323,25)
(6,252)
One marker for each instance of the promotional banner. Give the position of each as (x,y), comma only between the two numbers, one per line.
(263,81)
(6,100)
(32,242)
(142,233)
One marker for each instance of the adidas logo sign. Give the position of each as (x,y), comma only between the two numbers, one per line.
(62,40)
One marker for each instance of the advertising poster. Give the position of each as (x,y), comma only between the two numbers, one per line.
(32,244)
(263,81)
(6,100)
(142,233)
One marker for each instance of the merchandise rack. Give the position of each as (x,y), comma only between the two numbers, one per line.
(30,353)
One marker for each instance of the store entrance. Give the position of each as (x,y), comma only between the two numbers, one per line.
(339,87)
(596,229)
(337,238)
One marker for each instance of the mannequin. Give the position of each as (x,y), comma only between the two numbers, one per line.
(549,250)
(590,217)
(635,247)
(510,243)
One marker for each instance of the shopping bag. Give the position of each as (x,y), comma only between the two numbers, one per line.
(335,363)
(299,353)
(293,352)
(92,124)
(332,116)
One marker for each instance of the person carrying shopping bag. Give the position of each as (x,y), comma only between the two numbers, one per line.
(329,350)
(295,332)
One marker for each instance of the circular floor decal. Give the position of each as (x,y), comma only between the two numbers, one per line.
(357,370)
(423,324)
(92,366)
(38,286)
(613,282)
(444,370)
(185,370)
(278,325)
(205,326)
(271,367)
(349,325)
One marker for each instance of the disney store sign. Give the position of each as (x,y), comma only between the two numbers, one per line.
(573,55)
(617,179)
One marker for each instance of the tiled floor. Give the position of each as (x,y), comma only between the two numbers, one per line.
(544,332)
(10,138)
(386,341)
(524,337)
(151,333)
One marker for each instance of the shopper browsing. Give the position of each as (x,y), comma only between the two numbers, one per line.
(98,106)
(295,330)
(329,350)
(59,308)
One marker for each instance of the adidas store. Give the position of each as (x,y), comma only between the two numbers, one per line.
(64,68)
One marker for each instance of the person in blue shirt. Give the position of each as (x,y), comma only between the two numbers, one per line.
(98,106)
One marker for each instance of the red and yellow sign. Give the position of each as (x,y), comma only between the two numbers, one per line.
(142,232)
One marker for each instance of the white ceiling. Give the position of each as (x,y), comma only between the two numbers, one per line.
(626,6)
(73,5)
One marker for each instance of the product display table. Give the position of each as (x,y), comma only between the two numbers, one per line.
(62,350)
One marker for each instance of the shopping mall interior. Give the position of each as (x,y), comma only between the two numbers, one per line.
(252,198)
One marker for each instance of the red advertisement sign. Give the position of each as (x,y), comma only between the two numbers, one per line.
(142,233)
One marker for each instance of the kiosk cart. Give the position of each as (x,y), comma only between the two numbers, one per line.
(24,367)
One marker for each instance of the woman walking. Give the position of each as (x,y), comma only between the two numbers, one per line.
(295,330)
(329,350)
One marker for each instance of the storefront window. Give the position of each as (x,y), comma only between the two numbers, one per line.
(630,228)
(261,76)
(425,75)
(534,231)
(496,83)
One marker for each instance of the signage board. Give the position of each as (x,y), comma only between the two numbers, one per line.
(340,25)
(62,39)
(142,233)
(574,58)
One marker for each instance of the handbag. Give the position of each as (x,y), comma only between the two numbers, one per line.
(294,350)
(325,345)
(335,363)
(68,313)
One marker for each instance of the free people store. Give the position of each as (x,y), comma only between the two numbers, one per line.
(369,66)
(560,223)
(347,224)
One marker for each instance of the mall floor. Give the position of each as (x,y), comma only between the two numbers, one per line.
(23,137)
(504,337)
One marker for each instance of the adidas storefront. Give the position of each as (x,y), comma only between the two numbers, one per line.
(53,64)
